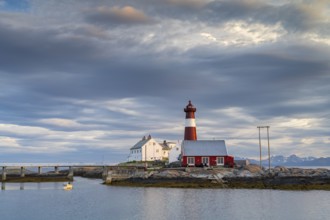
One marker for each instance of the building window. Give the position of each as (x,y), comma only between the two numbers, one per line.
(220,161)
(205,160)
(191,160)
(157,151)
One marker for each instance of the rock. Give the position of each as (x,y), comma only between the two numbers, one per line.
(296,171)
(245,173)
(253,168)
(167,174)
(281,169)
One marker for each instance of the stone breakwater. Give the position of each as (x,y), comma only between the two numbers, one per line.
(251,176)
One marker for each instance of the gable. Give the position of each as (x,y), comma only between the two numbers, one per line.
(139,144)
(148,142)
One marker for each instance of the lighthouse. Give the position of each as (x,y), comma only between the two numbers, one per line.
(190,127)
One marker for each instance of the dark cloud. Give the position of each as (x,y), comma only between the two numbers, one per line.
(81,84)
(116,16)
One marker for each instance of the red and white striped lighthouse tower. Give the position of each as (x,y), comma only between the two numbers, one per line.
(190,129)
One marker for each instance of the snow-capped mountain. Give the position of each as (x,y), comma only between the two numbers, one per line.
(292,160)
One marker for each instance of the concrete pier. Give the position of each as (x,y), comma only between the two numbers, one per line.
(22,171)
(70,175)
(4,173)
(105,173)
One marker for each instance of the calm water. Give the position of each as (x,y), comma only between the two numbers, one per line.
(91,200)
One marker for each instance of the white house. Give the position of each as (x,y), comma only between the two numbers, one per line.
(148,149)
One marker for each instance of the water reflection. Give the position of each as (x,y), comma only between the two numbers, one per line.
(31,186)
(92,200)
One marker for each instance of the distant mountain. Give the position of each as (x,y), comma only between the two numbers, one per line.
(292,160)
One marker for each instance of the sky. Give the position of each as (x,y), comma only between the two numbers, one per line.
(83,81)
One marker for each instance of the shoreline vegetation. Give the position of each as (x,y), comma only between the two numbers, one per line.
(245,177)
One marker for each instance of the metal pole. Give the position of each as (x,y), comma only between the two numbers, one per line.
(260,147)
(268,148)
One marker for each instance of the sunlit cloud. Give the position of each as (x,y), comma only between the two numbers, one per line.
(8,142)
(60,122)
(117,15)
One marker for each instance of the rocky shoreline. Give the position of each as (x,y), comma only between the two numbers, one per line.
(247,177)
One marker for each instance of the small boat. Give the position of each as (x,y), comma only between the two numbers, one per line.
(68,186)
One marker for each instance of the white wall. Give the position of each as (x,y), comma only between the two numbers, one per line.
(135,155)
(152,150)
(174,153)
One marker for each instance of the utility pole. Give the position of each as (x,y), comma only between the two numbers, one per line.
(260,147)
(268,148)
(259,127)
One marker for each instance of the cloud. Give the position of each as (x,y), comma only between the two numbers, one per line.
(117,15)
(23,130)
(300,16)
(192,4)
(60,122)
(8,142)
(84,85)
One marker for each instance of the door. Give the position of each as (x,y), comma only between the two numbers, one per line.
(205,161)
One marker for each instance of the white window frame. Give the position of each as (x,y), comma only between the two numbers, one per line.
(192,159)
(218,160)
(208,160)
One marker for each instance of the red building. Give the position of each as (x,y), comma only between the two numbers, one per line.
(205,152)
